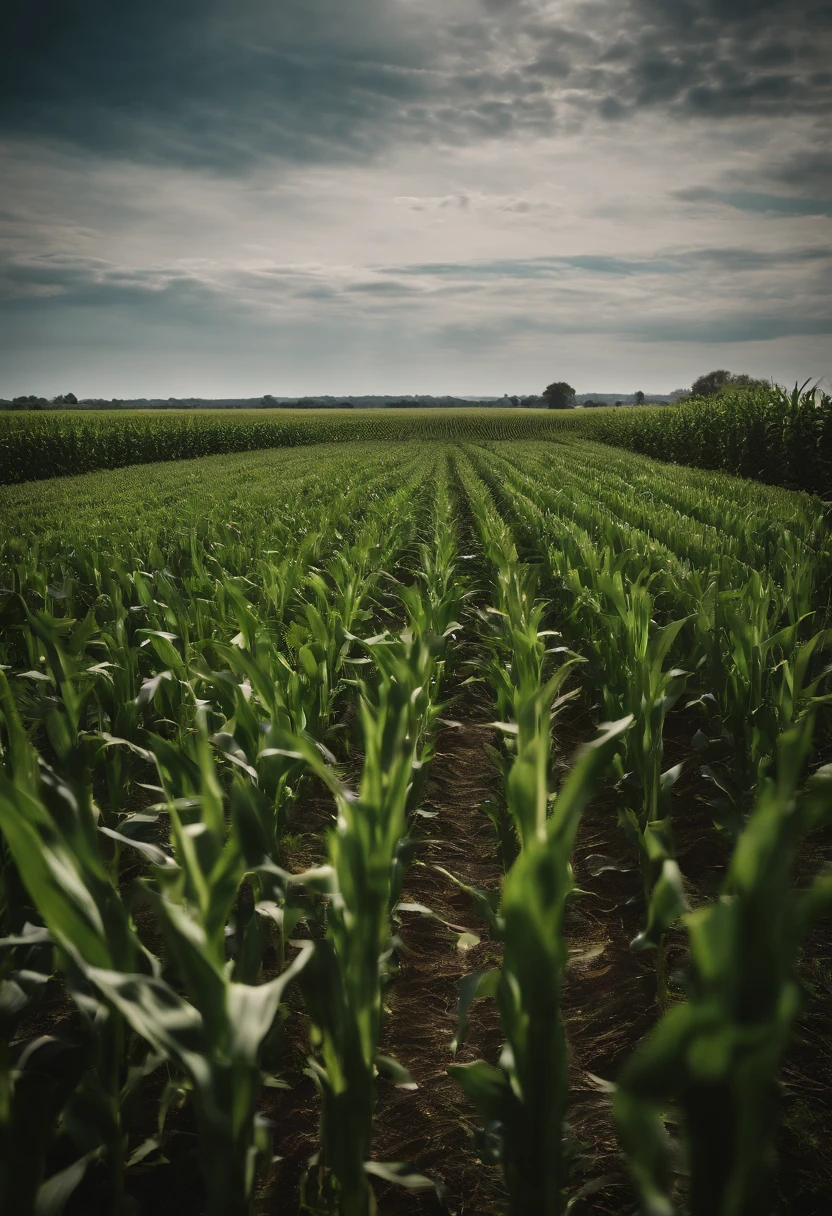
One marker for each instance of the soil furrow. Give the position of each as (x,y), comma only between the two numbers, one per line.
(431,1126)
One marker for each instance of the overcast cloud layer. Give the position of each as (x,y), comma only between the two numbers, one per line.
(472,196)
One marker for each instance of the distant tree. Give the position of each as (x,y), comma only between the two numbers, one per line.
(711,383)
(716,382)
(70,399)
(559,396)
(639,397)
(744,381)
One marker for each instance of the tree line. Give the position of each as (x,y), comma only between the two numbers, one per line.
(562,396)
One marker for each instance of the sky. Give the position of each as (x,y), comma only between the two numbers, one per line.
(237,197)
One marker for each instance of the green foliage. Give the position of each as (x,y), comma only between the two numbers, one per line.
(183,646)
(64,443)
(782,438)
(751,430)
(559,396)
(344,987)
(720,381)
(524,1100)
(717,1055)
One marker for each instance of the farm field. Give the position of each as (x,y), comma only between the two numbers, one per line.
(777,437)
(415,822)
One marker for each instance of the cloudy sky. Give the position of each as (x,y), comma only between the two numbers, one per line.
(232,197)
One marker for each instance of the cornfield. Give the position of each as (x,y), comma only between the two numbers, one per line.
(772,436)
(35,445)
(783,438)
(421,826)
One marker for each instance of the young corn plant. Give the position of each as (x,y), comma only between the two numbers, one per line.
(524,1099)
(716,1056)
(266,700)
(762,676)
(514,666)
(526,699)
(210,1027)
(631,654)
(50,831)
(207,1026)
(344,984)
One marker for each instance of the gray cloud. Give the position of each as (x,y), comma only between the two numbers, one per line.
(728,329)
(223,84)
(670,263)
(807,169)
(215,83)
(718,330)
(718,299)
(538,268)
(756,201)
(715,59)
(65,286)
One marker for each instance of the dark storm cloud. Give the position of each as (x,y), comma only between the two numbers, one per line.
(223,83)
(723,58)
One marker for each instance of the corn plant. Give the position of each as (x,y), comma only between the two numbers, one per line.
(344,984)
(717,1055)
(632,655)
(213,1033)
(762,677)
(524,1099)
(516,654)
(208,1026)
(50,831)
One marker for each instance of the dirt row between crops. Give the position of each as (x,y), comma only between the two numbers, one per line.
(431,1126)
(608,997)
